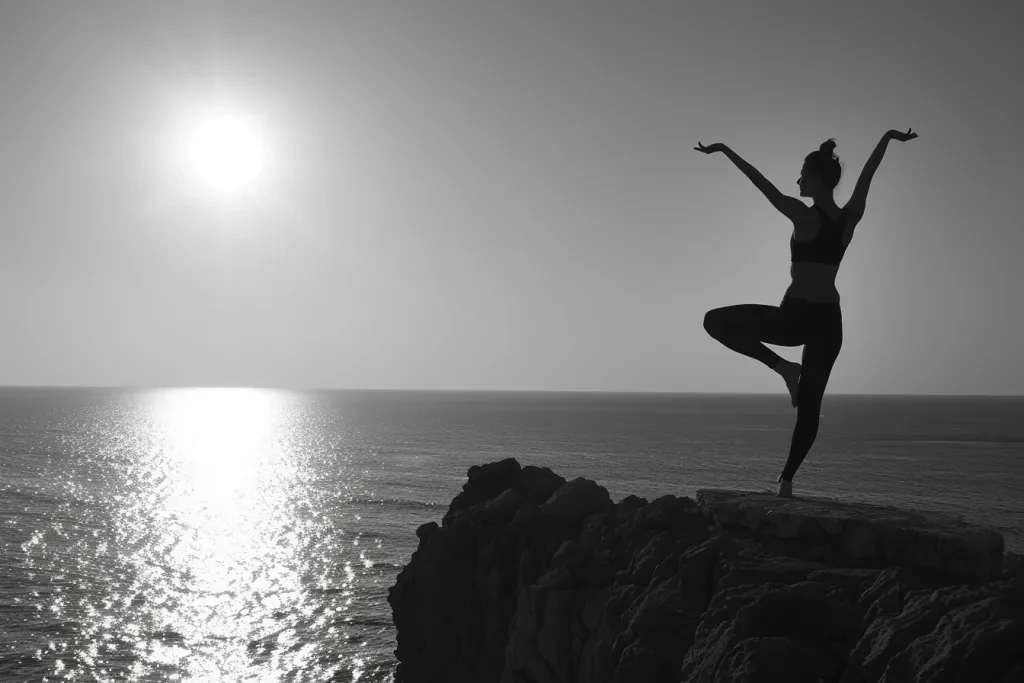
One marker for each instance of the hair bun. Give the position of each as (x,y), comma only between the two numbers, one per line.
(827,147)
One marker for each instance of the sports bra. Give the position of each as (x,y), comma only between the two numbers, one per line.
(826,247)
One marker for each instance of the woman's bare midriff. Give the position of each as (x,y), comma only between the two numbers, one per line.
(815,282)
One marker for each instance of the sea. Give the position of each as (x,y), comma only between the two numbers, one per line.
(228,535)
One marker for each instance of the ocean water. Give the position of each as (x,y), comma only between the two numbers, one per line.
(252,535)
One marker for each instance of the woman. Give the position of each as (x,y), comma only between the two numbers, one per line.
(809,314)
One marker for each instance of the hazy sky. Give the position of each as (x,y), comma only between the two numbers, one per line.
(503,195)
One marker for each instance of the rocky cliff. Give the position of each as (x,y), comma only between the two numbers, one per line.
(534,579)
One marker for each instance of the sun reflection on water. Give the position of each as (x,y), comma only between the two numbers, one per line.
(210,573)
(221,509)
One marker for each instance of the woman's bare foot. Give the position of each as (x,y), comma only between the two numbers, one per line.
(791,373)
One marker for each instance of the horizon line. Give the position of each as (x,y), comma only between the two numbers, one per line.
(486,391)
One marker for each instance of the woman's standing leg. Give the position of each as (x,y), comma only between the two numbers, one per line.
(819,357)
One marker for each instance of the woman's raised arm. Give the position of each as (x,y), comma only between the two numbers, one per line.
(858,200)
(791,207)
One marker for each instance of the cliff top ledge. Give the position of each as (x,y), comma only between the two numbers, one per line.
(861,533)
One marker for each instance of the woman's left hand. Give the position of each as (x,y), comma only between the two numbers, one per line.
(902,137)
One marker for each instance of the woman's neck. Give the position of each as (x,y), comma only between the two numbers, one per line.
(827,204)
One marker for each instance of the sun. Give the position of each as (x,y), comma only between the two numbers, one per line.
(224,152)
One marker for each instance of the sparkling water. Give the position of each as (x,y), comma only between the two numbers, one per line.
(252,535)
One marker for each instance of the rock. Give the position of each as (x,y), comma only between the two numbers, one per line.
(630,504)
(553,639)
(525,663)
(532,579)
(669,512)
(978,640)
(806,610)
(858,541)
(538,483)
(750,633)
(869,535)
(654,658)
(425,531)
(753,567)
(851,581)
(649,557)
(976,631)
(778,659)
(500,474)
(574,501)
(594,607)
(485,482)
(496,511)
(618,602)
(1013,566)
(1015,675)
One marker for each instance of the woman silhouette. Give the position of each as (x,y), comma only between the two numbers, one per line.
(809,314)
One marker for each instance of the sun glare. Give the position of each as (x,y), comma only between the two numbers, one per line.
(224,152)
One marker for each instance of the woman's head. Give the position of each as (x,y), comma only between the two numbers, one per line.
(821,171)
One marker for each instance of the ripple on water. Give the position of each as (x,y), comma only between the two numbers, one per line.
(187,538)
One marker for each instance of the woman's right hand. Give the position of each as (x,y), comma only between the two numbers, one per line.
(710,149)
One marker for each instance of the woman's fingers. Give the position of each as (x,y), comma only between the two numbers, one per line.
(909,135)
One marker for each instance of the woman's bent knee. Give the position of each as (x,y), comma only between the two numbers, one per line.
(713,322)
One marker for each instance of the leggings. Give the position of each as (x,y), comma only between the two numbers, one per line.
(817,326)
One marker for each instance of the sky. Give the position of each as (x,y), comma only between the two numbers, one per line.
(502,195)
